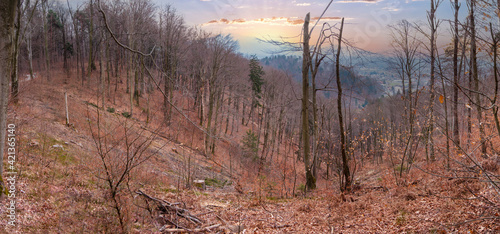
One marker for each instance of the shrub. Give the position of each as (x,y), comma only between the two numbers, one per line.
(401,219)
(302,188)
(91,104)
(250,145)
(126,115)
(214,182)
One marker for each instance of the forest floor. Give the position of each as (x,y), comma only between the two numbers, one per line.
(60,188)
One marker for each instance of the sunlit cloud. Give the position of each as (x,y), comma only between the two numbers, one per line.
(290,21)
(359,1)
(327,18)
(391,9)
(303,4)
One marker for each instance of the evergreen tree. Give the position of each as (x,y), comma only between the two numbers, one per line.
(256,73)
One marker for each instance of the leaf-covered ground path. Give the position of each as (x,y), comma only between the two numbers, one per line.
(59,189)
(436,206)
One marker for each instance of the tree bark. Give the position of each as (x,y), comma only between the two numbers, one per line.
(494,49)
(46,40)
(91,32)
(310,180)
(346,185)
(7,16)
(432,22)
(65,49)
(475,77)
(15,68)
(456,132)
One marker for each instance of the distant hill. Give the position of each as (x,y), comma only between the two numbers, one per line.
(362,86)
(292,64)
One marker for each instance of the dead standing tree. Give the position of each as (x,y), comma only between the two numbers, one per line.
(345,184)
(307,67)
(310,180)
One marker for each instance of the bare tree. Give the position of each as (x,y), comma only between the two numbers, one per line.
(431,17)
(220,47)
(346,183)
(406,47)
(121,147)
(475,75)
(456,74)
(172,31)
(91,65)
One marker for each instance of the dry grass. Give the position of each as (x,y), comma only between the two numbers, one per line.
(61,190)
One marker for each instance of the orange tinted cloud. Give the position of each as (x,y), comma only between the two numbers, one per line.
(272,21)
(354,1)
(295,21)
(327,18)
(239,21)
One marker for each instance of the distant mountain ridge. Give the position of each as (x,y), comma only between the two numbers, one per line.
(362,86)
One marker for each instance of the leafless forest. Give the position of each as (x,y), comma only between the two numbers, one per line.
(125,119)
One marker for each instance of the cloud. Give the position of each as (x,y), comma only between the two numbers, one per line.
(392,9)
(359,1)
(303,4)
(290,21)
(327,18)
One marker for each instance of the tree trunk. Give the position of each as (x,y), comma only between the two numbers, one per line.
(136,83)
(46,40)
(30,53)
(108,68)
(15,68)
(101,76)
(82,56)
(310,180)
(475,77)
(7,16)
(315,134)
(494,49)
(432,23)
(211,102)
(228,113)
(91,32)
(346,185)
(65,49)
(456,132)
(167,86)
(218,103)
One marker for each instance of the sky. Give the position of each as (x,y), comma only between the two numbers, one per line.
(247,20)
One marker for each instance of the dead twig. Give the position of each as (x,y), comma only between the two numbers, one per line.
(166,207)
(203,229)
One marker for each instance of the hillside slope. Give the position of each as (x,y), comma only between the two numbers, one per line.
(62,186)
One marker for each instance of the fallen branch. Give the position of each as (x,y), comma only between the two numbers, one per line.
(169,208)
(204,229)
(231,228)
(281,226)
